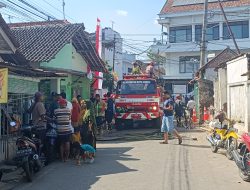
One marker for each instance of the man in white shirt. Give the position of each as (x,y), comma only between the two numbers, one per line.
(191,105)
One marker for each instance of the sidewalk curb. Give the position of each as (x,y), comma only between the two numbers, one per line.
(109,138)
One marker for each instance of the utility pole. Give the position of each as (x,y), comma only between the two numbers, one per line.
(203,58)
(114,52)
(158,62)
(229,28)
(112,24)
(9,17)
(63,4)
(203,38)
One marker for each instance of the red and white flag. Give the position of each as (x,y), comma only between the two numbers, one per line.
(98,79)
(98,37)
(89,73)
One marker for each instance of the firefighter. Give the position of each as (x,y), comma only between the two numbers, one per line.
(150,69)
(136,69)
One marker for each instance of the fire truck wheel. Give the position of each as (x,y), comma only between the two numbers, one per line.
(157,123)
(118,124)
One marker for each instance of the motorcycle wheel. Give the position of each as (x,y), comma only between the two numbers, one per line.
(28,169)
(232,144)
(244,176)
(214,148)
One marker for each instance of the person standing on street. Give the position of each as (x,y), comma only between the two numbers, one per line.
(179,110)
(190,106)
(100,108)
(168,119)
(39,118)
(79,99)
(63,122)
(69,104)
(54,104)
(110,111)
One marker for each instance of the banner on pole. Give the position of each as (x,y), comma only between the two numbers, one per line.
(98,37)
(3,86)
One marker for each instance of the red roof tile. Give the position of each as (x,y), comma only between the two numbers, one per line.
(169,8)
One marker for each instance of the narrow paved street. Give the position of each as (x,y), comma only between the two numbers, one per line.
(144,165)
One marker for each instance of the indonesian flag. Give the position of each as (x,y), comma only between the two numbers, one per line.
(98,43)
(98,79)
(89,73)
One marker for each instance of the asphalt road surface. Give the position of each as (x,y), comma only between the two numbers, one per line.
(142,164)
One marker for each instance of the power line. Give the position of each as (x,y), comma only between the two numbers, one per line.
(14,9)
(33,7)
(60,11)
(26,10)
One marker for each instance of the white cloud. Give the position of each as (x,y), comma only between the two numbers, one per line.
(121,13)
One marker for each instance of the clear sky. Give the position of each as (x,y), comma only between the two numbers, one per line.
(129,16)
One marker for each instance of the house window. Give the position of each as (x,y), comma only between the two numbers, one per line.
(180,34)
(189,64)
(212,32)
(240,30)
(129,70)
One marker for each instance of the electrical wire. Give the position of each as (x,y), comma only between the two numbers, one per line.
(36,9)
(27,10)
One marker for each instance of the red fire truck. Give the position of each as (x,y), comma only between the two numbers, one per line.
(137,99)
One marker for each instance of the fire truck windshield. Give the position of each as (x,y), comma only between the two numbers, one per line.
(134,87)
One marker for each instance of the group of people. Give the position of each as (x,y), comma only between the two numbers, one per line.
(136,70)
(77,122)
(180,108)
(171,108)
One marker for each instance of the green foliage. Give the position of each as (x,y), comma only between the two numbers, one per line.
(108,80)
(155,57)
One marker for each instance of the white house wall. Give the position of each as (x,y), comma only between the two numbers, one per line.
(175,50)
(238,92)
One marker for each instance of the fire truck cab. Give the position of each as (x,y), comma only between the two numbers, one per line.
(137,99)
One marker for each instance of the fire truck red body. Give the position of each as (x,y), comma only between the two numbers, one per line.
(137,99)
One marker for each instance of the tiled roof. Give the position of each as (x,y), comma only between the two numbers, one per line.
(41,43)
(223,57)
(40,23)
(7,31)
(170,8)
(15,57)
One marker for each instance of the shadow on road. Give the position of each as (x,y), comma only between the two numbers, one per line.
(65,176)
(195,146)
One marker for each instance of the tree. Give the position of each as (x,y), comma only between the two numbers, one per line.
(108,79)
(156,57)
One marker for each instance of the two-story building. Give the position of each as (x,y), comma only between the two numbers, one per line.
(60,47)
(181,21)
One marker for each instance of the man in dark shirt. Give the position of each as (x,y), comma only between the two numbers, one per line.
(54,103)
(168,119)
(109,111)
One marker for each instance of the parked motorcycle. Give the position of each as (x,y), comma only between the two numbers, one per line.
(51,140)
(241,157)
(224,137)
(29,154)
